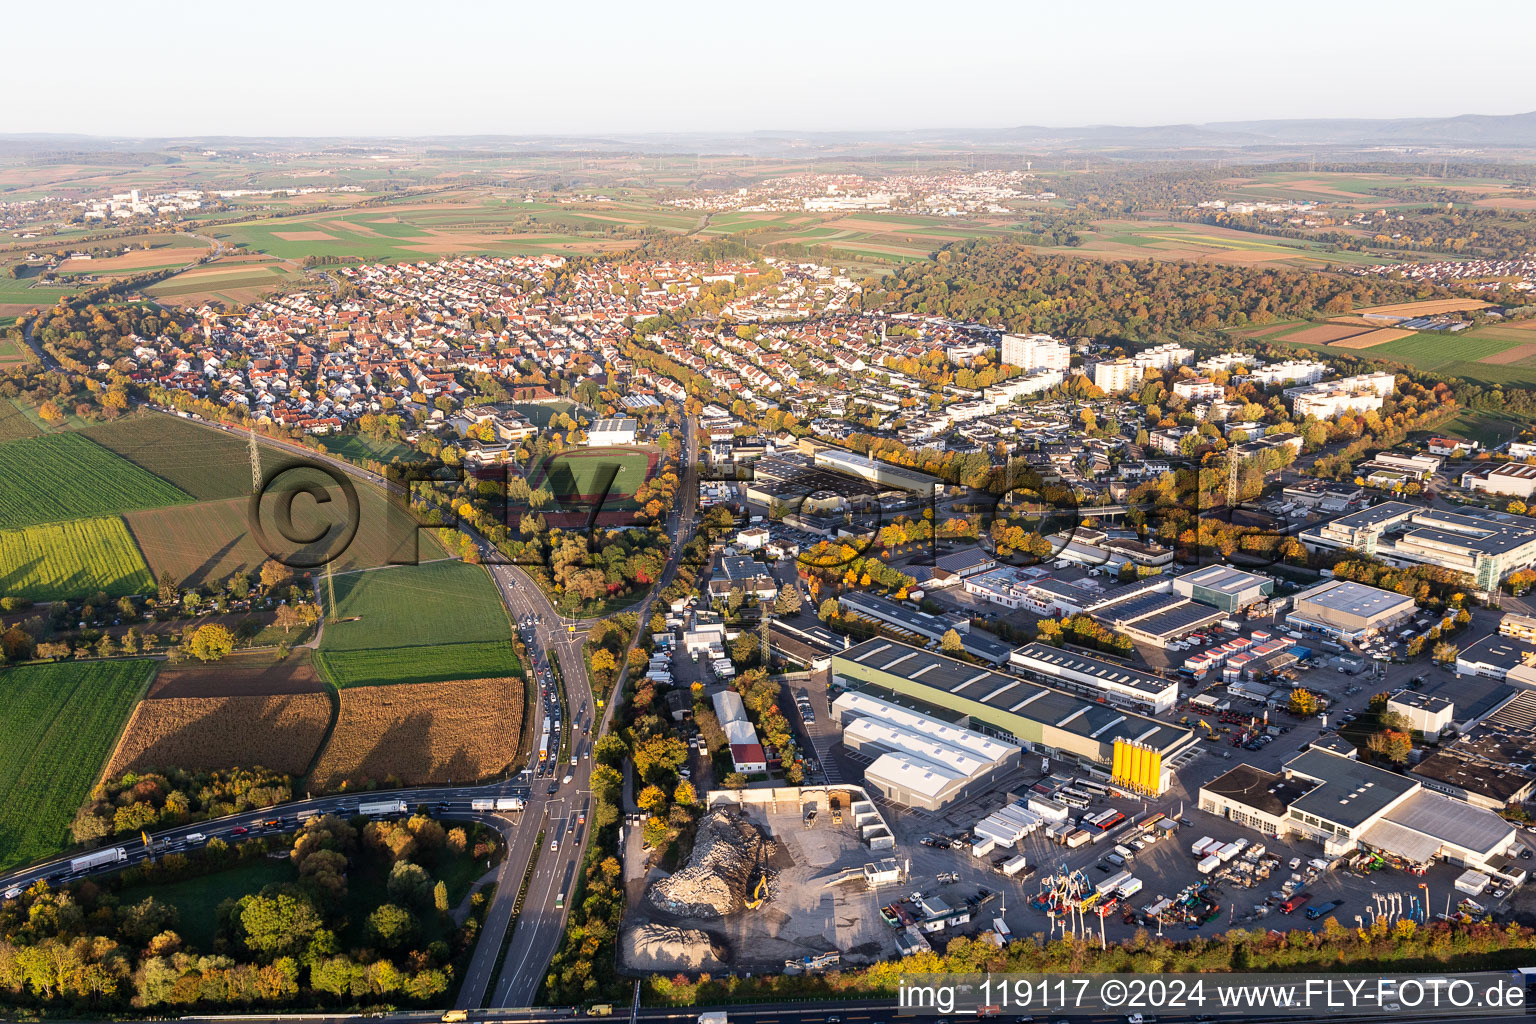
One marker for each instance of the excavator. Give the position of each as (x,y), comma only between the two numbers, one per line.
(759,891)
(1210,733)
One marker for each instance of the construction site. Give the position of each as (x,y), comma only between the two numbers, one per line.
(783,879)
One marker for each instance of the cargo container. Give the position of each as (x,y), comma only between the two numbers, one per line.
(1199,846)
(1129,887)
(509,803)
(99,859)
(1208,865)
(479,804)
(1077,839)
(382,807)
(982,847)
(1472,882)
(1112,883)
(1015,865)
(1227,852)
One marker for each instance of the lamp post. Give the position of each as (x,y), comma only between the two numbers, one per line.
(1425,887)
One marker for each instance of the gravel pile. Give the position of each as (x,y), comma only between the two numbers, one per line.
(659,947)
(715,882)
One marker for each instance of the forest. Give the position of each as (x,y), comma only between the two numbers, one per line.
(352,914)
(1010,286)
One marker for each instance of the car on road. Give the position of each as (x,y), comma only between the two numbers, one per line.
(238,830)
(554,844)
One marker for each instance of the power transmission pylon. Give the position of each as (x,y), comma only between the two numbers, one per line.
(330,587)
(250,432)
(1231,478)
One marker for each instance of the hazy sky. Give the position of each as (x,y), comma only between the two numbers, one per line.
(446,67)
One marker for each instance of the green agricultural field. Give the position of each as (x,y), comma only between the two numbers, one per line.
(204,462)
(81,557)
(431,664)
(358,447)
(415,606)
(14,423)
(67,476)
(414,624)
(1466,355)
(60,724)
(1485,428)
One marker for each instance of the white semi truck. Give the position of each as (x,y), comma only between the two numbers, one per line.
(99,859)
(382,807)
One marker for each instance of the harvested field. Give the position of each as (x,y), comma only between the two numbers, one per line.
(145,259)
(278,732)
(1428,307)
(1326,334)
(304,236)
(1372,338)
(1517,354)
(239,675)
(459,731)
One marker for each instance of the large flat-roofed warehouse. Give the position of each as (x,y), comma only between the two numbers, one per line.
(888,476)
(1156,619)
(1036,717)
(921,759)
(794,481)
(930,627)
(1482,546)
(1079,673)
(1224,587)
(1346,609)
(1348,805)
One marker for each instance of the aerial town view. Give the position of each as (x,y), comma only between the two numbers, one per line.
(683,516)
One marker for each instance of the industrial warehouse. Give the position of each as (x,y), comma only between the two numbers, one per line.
(1347,805)
(920,760)
(1349,610)
(1485,547)
(1038,718)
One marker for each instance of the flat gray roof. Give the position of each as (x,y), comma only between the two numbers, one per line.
(1350,792)
(1353,598)
(1224,578)
(1451,822)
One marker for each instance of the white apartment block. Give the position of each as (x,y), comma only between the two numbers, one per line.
(1114,375)
(1036,352)
(1164,357)
(1291,372)
(1196,388)
(1350,394)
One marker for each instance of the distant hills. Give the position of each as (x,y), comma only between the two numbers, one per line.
(1487,134)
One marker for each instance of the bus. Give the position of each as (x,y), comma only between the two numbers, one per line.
(1092,786)
(1104,820)
(1072,798)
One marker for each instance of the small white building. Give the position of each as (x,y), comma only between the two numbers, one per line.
(614,430)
